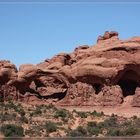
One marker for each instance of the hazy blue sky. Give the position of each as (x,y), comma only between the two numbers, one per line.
(30,33)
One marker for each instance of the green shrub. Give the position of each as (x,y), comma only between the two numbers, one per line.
(134,117)
(130,131)
(75,133)
(9,98)
(110,122)
(126,123)
(24,119)
(11,105)
(114,132)
(82,114)
(102,113)
(11,130)
(50,106)
(92,128)
(61,113)
(34,131)
(18,108)
(21,111)
(38,111)
(137,122)
(112,115)
(7,117)
(92,124)
(2,104)
(78,132)
(1,98)
(98,114)
(94,113)
(74,111)
(82,130)
(50,127)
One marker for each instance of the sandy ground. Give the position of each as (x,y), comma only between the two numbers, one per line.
(125,111)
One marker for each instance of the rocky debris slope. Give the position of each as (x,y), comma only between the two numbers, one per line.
(104,74)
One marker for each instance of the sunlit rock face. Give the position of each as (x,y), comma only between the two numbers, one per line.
(105,74)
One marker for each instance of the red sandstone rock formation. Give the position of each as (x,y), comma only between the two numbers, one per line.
(100,75)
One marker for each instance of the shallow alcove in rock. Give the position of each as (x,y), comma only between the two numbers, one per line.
(58,95)
(129,82)
(97,87)
(55,95)
(128,87)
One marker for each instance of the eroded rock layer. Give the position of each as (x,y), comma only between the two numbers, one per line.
(105,74)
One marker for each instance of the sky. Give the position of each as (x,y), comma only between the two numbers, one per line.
(31,33)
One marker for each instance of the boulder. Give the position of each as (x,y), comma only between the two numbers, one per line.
(110,96)
(136,98)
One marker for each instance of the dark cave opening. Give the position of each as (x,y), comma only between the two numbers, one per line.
(97,87)
(129,82)
(128,87)
(38,84)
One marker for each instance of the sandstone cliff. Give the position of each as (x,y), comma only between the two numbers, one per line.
(105,74)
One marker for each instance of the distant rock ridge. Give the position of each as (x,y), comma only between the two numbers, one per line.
(105,74)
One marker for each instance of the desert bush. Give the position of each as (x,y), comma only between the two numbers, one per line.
(34,131)
(110,122)
(98,114)
(50,127)
(114,132)
(59,123)
(92,124)
(38,111)
(2,104)
(23,119)
(50,106)
(82,114)
(137,122)
(18,108)
(93,128)
(21,111)
(78,132)
(102,113)
(7,117)
(74,111)
(126,123)
(134,117)
(93,131)
(1,98)
(61,113)
(11,130)
(11,105)
(130,131)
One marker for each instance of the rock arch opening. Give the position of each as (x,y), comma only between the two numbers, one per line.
(51,92)
(129,82)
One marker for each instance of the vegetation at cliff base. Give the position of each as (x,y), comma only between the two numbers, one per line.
(22,120)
